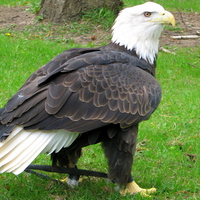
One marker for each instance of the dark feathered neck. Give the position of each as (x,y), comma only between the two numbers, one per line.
(115,47)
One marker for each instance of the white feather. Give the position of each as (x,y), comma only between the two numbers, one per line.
(23,146)
(60,140)
(30,157)
(16,137)
(10,137)
(24,151)
(54,145)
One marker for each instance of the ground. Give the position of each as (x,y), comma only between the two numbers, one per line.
(187,24)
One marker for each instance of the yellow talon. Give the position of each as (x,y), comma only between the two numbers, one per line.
(133,188)
(72,183)
(64,180)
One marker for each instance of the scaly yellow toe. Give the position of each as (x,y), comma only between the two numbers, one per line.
(133,188)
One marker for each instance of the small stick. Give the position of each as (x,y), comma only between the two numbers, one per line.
(185,37)
(193,65)
(167,51)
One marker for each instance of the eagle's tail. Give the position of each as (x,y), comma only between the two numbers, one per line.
(21,147)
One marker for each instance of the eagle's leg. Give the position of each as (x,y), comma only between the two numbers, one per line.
(72,180)
(119,147)
(68,158)
(119,150)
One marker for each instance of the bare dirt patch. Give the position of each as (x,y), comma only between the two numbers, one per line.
(15,16)
(187,24)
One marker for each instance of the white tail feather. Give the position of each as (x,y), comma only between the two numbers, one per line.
(23,146)
(26,150)
(13,141)
(61,139)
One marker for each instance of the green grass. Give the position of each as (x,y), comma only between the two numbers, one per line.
(173,5)
(165,141)
(18,3)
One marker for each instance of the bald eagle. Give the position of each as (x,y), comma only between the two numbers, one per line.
(89,95)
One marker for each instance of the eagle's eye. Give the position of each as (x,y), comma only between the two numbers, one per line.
(147,14)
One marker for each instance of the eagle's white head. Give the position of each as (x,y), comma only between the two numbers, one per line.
(139,28)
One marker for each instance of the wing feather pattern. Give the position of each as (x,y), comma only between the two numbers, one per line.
(96,88)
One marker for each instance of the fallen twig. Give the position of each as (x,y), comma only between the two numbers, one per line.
(167,51)
(192,65)
(184,36)
(192,157)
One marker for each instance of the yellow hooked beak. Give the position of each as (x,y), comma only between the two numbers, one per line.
(165,18)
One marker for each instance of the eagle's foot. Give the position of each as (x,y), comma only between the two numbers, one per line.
(133,188)
(71,181)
